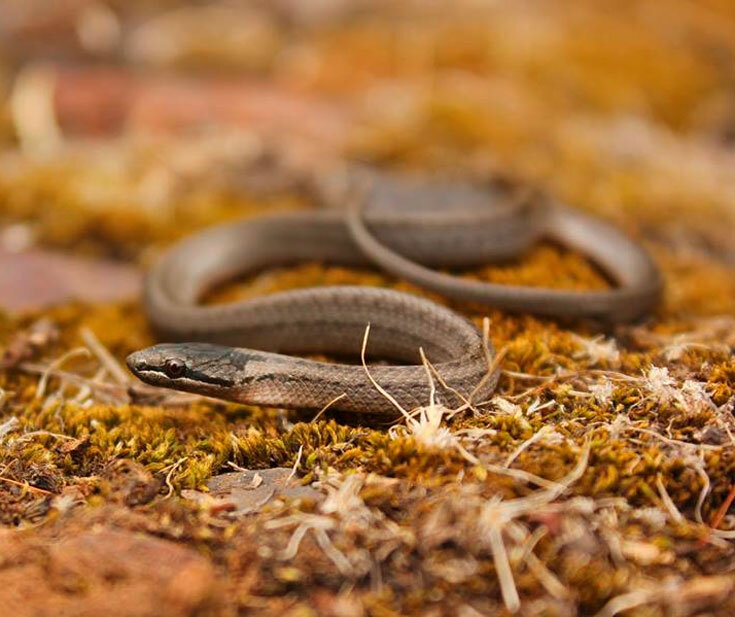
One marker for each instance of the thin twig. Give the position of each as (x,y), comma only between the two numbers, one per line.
(33,489)
(722,510)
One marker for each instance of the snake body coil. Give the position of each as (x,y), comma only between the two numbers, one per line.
(432,223)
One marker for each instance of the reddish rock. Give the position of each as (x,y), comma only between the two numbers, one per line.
(103,101)
(108,572)
(37,278)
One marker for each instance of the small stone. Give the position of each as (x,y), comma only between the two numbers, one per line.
(242,492)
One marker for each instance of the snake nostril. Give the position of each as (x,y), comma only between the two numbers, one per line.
(140,365)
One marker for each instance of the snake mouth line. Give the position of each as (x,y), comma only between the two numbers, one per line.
(156,376)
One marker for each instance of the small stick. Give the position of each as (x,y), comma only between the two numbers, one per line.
(33,489)
(722,510)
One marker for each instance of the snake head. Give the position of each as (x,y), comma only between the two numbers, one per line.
(193,367)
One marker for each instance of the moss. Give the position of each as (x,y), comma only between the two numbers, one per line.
(542,106)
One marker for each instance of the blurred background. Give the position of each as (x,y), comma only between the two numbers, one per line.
(150,109)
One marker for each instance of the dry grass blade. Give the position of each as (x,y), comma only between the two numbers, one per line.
(668,502)
(508,589)
(526,444)
(107,360)
(328,405)
(377,386)
(295,465)
(111,393)
(171,470)
(55,365)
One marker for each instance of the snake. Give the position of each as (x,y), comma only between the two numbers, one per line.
(252,351)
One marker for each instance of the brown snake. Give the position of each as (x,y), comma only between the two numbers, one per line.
(236,351)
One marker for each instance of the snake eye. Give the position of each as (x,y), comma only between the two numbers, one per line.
(174,368)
